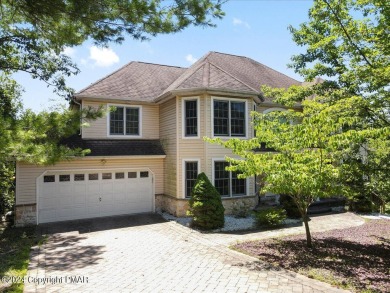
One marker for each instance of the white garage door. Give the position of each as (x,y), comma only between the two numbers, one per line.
(69,195)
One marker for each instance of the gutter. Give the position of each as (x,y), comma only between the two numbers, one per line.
(257,97)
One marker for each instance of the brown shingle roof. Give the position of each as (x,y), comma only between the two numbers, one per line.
(139,81)
(136,81)
(116,147)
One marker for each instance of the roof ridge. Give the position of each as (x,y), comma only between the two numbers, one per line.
(229,54)
(233,76)
(103,78)
(195,71)
(274,70)
(186,69)
(150,63)
(257,63)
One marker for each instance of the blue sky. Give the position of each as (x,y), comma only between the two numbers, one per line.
(255,29)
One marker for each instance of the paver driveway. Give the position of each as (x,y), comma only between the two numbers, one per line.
(146,254)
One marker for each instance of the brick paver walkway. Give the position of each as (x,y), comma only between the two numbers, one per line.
(159,257)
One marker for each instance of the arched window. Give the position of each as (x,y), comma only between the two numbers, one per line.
(275,109)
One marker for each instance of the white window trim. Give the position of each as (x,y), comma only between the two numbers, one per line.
(124,129)
(183,120)
(184,173)
(212,116)
(273,109)
(230,187)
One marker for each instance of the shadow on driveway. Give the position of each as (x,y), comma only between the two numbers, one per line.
(68,248)
(100,224)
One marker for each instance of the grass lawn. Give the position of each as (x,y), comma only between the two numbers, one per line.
(357,259)
(15,244)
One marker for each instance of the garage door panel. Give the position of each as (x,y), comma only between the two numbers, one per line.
(64,189)
(106,187)
(120,187)
(66,201)
(94,194)
(79,199)
(93,199)
(120,198)
(48,202)
(93,187)
(49,190)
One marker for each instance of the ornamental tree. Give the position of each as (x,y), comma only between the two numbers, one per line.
(346,44)
(206,205)
(308,145)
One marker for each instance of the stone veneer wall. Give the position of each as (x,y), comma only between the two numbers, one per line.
(25,215)
(179,206)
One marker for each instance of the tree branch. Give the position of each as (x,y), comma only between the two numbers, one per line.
(347,34)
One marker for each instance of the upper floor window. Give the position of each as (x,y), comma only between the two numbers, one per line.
(229,118)
(125,121)
(191,117)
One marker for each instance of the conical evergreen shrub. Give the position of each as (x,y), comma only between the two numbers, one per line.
(206,205)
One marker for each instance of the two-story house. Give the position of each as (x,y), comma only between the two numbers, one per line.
(147,152)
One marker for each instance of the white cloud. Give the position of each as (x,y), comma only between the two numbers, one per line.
(239,22)
(191,59)
(103,57)
(69,51)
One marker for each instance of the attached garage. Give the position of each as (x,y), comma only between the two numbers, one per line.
(80,194)
(118,177)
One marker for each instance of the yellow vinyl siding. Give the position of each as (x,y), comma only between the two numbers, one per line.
(27,173)
(206,152)
(190,148)
(168,132)
(98,128)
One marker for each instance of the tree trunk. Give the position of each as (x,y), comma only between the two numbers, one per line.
(307,229)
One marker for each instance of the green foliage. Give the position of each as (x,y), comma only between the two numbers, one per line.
(270,217)
(288,204)
(34,33)
(206,205)
(361,204)
(35,138)
(241,209)
(7,186)
(347,43)
(340,141)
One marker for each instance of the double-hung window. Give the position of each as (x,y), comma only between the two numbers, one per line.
(191,118)
(229,118)
(190,173)
(227,182)
(125,121)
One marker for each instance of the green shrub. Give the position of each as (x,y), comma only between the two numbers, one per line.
(290,207)
(361,204)
(206,205)
(7,202)
(270,217)
(241,209)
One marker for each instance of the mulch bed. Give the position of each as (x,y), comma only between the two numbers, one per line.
(357,258)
